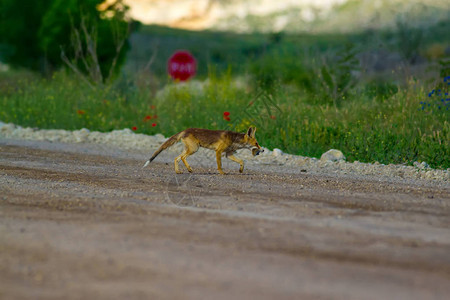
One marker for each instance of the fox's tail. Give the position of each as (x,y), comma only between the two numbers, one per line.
(171,141)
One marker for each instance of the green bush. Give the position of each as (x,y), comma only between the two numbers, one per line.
(33,32)
(19,24)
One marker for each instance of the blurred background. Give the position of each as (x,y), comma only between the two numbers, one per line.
(368,77)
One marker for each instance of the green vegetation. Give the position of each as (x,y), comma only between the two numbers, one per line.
(33,34)
(306,94)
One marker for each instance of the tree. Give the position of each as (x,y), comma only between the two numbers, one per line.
(19,22)
(38,31)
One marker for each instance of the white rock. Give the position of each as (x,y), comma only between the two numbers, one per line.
(332,155)
(277,152)
(7,129)
(422,165)
(81,135)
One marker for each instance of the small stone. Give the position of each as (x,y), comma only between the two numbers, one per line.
(277,152)
(332,155)
(421,166)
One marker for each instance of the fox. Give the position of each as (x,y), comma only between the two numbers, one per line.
(221,141)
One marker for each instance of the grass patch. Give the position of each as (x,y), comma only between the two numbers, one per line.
(397,129)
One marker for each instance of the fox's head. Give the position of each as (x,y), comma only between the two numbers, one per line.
(251,141)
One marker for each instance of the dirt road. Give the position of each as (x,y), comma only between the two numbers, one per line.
(91,224)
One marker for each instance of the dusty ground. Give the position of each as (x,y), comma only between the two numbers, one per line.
(84,222)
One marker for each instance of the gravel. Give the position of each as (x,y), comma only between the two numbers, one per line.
(275,159)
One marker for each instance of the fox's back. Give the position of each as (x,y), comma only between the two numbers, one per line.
(213,138)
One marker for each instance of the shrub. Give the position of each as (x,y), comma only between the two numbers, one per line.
(33,32)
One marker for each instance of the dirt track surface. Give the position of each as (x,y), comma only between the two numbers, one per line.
(80,224)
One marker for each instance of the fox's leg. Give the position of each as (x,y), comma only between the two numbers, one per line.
(177,170)
(190,148)
(183,159)
(238,160)
(219,161)
(189,151)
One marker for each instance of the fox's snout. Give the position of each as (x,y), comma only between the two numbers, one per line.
(256,151)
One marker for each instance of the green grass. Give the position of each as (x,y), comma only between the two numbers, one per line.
(65,102)
(393,130)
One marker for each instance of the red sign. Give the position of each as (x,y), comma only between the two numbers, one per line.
(181,65)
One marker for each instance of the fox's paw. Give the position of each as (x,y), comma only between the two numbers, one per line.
(222,172)
(190,170)
(178,172)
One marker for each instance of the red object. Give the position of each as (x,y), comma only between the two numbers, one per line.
(154,124)
(134,128)
(182,65)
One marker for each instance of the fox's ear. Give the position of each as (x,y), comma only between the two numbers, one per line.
(251,132)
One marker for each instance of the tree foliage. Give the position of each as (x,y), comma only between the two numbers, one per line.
(33,33)
(19,22)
